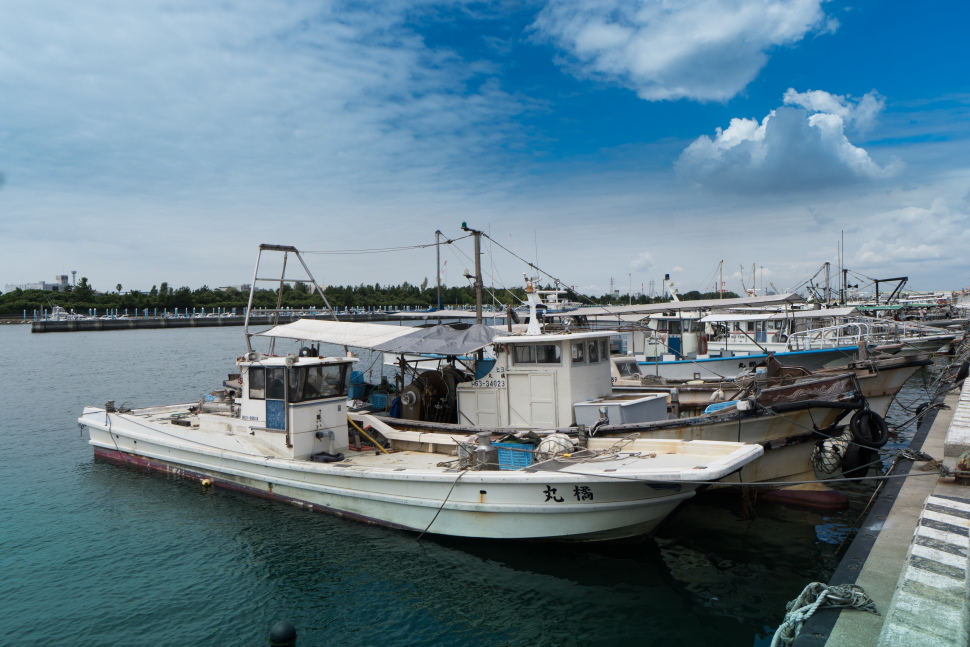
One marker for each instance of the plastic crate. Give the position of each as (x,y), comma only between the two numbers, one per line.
(379,400)
(356,377)
(510,459)
(357,391)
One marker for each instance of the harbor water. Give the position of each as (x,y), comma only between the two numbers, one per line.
(93,554)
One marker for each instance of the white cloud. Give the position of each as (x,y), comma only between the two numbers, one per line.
(167,93)
(859,115)
(798,148)
(672,49)
(644,261)
(915,235)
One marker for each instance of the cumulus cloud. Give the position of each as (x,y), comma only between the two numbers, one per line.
(672,49)
(859,115)
(798,147)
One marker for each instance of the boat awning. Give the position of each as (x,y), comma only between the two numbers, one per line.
(788,314)
(704,304)
(436,340)
(447,314)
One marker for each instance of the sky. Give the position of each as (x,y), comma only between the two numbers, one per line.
(609,142)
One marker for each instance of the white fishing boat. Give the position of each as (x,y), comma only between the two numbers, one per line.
(281,432)
(536,381)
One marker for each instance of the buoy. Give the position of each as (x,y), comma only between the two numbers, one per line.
(283,634)
(206,482)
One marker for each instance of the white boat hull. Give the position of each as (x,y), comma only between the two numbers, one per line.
(404,491)
(731,367)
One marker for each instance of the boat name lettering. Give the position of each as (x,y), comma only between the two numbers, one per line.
(581,492)
(550,493)
(253,418)
(489,384)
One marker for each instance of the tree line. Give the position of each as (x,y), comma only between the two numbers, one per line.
(82,298)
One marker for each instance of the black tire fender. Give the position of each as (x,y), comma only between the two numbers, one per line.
(855,462)
(869,429)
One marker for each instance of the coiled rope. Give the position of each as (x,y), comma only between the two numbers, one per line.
(814,597)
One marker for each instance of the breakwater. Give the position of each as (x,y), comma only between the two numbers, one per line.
(84,325)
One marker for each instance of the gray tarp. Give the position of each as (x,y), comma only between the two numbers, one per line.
(441,340)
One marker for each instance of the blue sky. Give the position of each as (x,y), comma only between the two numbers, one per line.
(153,141)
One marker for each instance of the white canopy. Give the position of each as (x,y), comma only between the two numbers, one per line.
(788,314)
(438,340)
(703,304)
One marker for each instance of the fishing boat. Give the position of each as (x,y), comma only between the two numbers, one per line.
(880,377)
(278,428)
(535,381)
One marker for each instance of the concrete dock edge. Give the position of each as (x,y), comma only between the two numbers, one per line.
(910,554)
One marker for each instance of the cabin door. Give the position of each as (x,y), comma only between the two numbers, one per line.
(276,398)
(674,345)
(532,400)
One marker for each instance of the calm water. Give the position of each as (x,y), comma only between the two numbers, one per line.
(93,554)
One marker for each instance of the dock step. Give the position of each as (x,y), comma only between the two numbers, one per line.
(930,603)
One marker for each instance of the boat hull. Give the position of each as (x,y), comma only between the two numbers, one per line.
(552,506)
(731,367)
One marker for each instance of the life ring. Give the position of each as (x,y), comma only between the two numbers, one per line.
(782,337)
(869,429)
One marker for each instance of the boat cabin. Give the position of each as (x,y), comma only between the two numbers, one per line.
(297,404)
(536,379)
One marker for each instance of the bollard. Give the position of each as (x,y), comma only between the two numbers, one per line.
(283,634)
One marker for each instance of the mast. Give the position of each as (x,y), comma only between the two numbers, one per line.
(478,270)
(828,282)
(437,249)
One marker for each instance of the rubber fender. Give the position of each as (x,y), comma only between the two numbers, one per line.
(962,372)
(856,460)
(869,429)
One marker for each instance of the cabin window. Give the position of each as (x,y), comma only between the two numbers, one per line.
(536,354)
(257,383)
(626,369)
(275,388)
(593,352)
(604,349)
(316,382)
(578,353)
(548,354)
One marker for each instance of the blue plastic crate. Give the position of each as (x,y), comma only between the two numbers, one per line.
(357,391)
(379,400)
(356,377)
(509,459)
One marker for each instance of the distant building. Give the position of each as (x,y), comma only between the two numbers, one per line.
(61,282)
(241,288)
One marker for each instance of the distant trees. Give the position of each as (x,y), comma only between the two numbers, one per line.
(82,298)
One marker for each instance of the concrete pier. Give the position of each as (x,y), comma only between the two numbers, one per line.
(911,553)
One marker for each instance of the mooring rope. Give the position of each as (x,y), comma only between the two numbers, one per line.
(813,597)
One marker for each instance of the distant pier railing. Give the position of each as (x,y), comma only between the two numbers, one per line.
(83,325)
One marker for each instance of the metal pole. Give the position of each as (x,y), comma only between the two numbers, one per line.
(437,248)
(478,277)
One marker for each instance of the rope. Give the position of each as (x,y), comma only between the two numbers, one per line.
(813,597)
(460,474)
